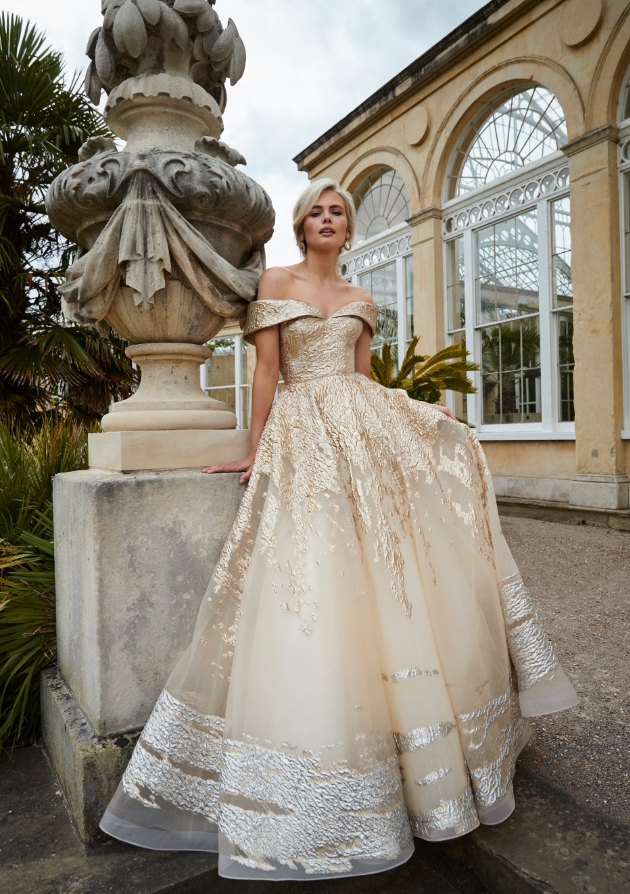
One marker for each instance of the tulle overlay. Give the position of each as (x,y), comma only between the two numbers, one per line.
(366,653)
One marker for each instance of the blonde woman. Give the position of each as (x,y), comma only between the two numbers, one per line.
(366,654)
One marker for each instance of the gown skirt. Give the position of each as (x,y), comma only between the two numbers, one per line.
(366,654)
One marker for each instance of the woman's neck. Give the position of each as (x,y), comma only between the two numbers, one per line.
(321,265)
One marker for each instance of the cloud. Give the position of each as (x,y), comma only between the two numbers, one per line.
(308,65)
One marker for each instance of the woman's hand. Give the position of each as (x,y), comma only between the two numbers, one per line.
(444,410)
(239,465)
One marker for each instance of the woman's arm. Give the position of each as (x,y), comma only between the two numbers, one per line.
(362,352)
(263,391)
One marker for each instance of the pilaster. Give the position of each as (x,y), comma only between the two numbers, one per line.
(598,382)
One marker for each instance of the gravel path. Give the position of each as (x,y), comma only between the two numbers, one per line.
(580,578)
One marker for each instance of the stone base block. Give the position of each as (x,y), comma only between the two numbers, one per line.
(553,489)
(134,554)
(600,491)
(89,768)
(129,451)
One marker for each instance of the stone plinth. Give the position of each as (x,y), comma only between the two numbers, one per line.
(123,451)
(89,768)
(134,555)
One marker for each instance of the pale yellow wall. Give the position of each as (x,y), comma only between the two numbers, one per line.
(531,459)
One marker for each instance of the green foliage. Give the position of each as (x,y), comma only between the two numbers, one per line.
(44,363)
(29,458)
(425,377)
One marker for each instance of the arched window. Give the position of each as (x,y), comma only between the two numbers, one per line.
(381,260)
(517,130)
(509,297)
(382,202)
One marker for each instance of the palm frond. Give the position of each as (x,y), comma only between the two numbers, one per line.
(425,377)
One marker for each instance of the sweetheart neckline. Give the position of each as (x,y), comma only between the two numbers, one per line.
(312,306)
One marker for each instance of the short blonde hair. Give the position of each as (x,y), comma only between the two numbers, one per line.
(309,199)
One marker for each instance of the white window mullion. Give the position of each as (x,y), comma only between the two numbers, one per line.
(238,379)
(548,360)
(473,344)
(203,375)
(400,295)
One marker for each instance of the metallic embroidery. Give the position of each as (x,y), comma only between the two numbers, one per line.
(491,738)
(458,816)
(178,757)
(408,672)
(420,738)
(430,778)
(530,650)
(303,810)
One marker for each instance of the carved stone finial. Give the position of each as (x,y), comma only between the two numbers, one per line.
(184,38)
(171,234)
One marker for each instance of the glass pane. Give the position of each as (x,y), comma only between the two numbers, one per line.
(507,265)
(521,128)
(505,268)
(455,284)
(381,284)
(566,363)
(526,230)
(561,252)
(382,202)
(228,395)
(486,276)
(221,369)
(409,306)
(460,401)
(510,362)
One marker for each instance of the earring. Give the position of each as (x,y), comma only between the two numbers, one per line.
(347,245)
(302,246)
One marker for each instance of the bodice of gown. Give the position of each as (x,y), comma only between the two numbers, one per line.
(312,345)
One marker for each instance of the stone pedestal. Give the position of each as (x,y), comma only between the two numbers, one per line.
(125,451)
(134,555)
(169,397)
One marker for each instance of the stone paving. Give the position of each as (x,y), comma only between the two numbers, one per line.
(580,578)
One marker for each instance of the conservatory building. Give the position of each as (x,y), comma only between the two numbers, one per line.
(492,181)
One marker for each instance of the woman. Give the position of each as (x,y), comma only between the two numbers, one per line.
(366,652)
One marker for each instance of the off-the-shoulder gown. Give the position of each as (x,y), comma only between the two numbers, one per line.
(366,653)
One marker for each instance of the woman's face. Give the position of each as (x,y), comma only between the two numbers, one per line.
(326,225)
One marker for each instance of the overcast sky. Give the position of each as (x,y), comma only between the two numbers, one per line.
(308,64)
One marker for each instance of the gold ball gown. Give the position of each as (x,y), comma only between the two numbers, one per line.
(366,653)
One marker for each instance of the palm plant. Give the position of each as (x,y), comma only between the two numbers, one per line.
(29,458)
(44,363)
(425,377)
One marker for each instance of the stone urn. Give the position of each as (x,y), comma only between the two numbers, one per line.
(171,233)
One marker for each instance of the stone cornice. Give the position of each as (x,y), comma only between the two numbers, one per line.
(608,132)
(431,213)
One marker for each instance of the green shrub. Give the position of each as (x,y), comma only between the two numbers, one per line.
(29,458)
(425,377)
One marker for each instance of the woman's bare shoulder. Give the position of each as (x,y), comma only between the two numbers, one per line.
(275,284)
(359,294)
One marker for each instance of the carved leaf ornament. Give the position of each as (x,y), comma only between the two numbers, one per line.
(135,29)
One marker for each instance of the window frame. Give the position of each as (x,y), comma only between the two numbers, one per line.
(459,219)
(375,245)
(239,385)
